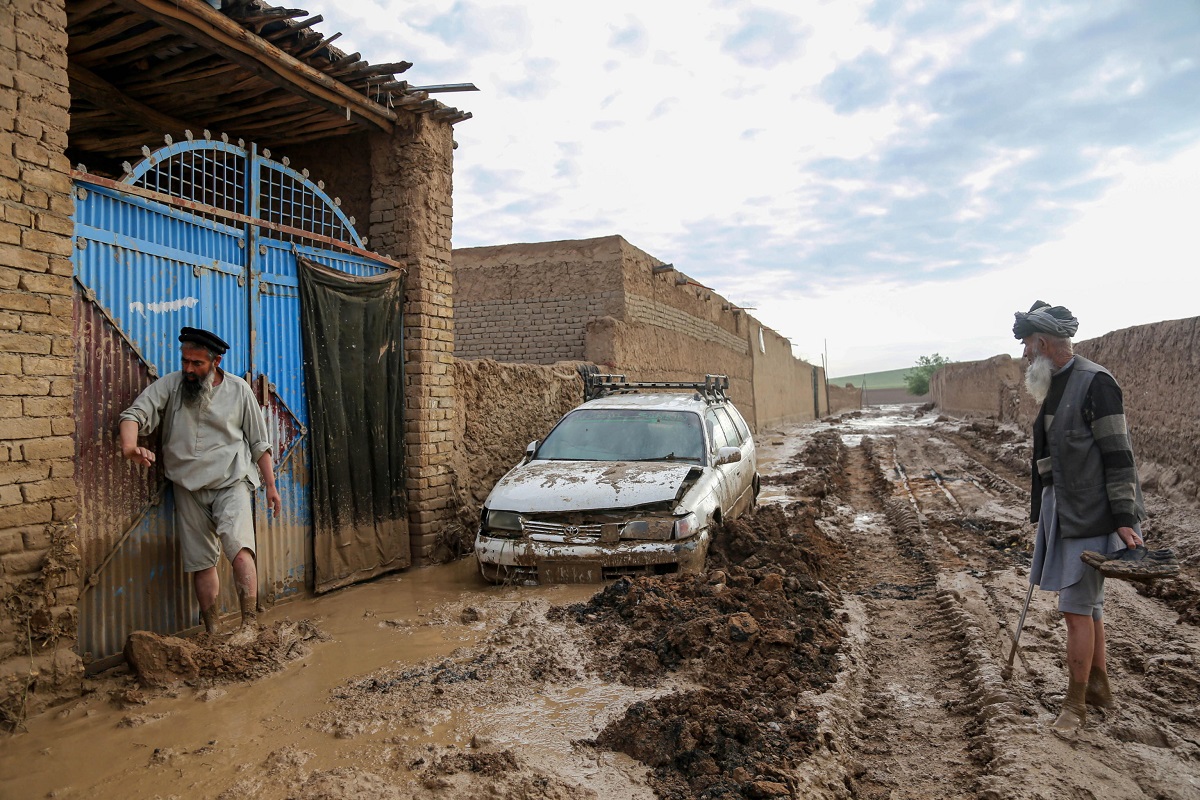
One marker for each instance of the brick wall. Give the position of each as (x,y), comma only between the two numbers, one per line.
(344,164)
(526,303)
(648,311)
(410,220)
(38,580)
(535,330)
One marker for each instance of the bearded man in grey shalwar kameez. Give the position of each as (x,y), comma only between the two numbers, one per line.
(213,438)
(1085,493)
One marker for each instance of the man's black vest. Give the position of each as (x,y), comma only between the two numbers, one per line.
(1076,463)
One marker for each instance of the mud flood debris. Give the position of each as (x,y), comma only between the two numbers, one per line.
(163,662)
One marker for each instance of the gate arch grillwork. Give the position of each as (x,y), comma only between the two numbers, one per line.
(242,182)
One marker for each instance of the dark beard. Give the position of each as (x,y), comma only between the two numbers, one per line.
(198,392)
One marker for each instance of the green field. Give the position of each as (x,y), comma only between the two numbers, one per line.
(889,379)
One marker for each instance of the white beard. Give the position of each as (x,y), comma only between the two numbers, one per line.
(1038,376)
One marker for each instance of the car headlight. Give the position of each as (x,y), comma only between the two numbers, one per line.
(649,529)
(686,526)
(503,523)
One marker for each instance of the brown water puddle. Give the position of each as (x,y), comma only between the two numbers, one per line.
(187,747)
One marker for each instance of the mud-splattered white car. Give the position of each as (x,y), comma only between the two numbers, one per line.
(630,483)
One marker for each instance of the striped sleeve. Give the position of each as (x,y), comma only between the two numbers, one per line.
(1104,409)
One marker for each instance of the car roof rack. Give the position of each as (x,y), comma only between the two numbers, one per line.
(714,388)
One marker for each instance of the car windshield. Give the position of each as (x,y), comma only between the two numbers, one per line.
(620,434)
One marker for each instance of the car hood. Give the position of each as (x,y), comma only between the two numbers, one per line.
(588,485)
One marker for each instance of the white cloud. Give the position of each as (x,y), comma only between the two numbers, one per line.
(1132,258)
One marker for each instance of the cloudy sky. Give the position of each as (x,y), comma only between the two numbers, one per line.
(880,179)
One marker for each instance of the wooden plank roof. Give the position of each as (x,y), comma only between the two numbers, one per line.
(142,68)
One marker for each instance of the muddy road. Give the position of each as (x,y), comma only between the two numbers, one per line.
(846,641)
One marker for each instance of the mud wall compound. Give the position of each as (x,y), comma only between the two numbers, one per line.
(993,388)
(672,330)
(525,303)
(501,409)
(1158,367)
(844,398)
(609,303)
(785,388)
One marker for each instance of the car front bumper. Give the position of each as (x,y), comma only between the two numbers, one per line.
(527,560)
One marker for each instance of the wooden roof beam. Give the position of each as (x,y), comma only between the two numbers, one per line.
(305,52)
(204,25)
(96,90)
(84,9)
(256,16)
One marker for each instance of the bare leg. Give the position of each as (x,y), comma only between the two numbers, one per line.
(1081,648)
(245,575)
(1081,645)
(207,584)
(1098,692)
(1099,650)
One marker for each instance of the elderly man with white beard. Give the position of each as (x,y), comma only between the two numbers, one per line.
(213,438)
(1085,493)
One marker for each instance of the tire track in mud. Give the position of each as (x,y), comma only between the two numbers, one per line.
(969,509)
(916,736)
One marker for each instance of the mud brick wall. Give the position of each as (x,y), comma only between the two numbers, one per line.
(410,219)
(1158,367)
(528,303)
(38,567)
(502,408)
(783,385)
(844,398)
(673,332)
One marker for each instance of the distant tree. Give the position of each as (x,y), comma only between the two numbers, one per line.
(917,378)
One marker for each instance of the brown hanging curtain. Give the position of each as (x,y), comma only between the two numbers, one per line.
(354,380)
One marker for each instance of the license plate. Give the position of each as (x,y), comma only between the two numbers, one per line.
(570,572)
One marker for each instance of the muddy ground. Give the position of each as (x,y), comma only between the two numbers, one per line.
(845,641)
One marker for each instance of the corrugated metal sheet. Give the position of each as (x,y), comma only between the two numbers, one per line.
(153,273)
(113,494)
(285,542)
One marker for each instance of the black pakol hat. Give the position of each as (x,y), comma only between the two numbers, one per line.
(203,338)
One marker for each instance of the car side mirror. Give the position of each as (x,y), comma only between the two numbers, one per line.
(530,449)
(729,455)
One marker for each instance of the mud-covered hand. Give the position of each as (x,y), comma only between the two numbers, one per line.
(266,468)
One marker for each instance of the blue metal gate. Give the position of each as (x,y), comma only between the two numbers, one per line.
(202,233)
